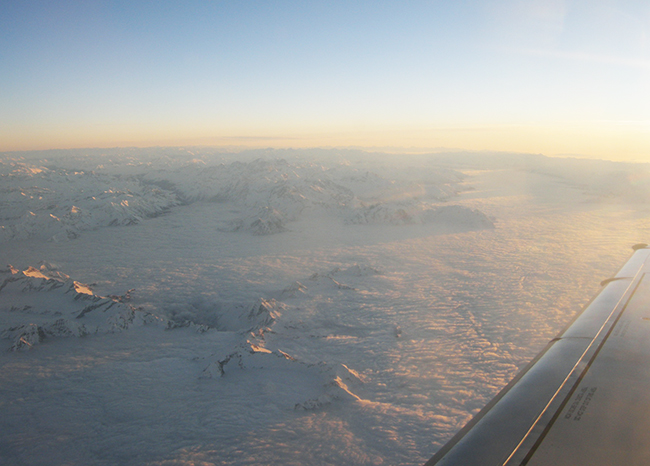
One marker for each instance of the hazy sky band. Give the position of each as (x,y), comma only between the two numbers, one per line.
(536,76)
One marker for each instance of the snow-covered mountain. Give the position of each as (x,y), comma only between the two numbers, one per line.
(58,203)
(263,196)
(39,304)
(269,194)
(36,304)
(291,306)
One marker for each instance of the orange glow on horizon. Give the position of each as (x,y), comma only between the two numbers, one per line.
(601,140)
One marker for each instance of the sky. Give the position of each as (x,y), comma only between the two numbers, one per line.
(543,76)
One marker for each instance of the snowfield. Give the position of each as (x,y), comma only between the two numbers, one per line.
(176,306)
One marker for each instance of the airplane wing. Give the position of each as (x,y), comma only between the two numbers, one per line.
(584,400)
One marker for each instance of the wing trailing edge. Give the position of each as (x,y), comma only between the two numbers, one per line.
(585,399)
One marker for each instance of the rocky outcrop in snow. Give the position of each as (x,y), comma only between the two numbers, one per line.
(326,383)
(340,381)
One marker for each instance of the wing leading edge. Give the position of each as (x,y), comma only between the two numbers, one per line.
(584,400)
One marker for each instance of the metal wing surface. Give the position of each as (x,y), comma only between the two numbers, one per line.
(584,400)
